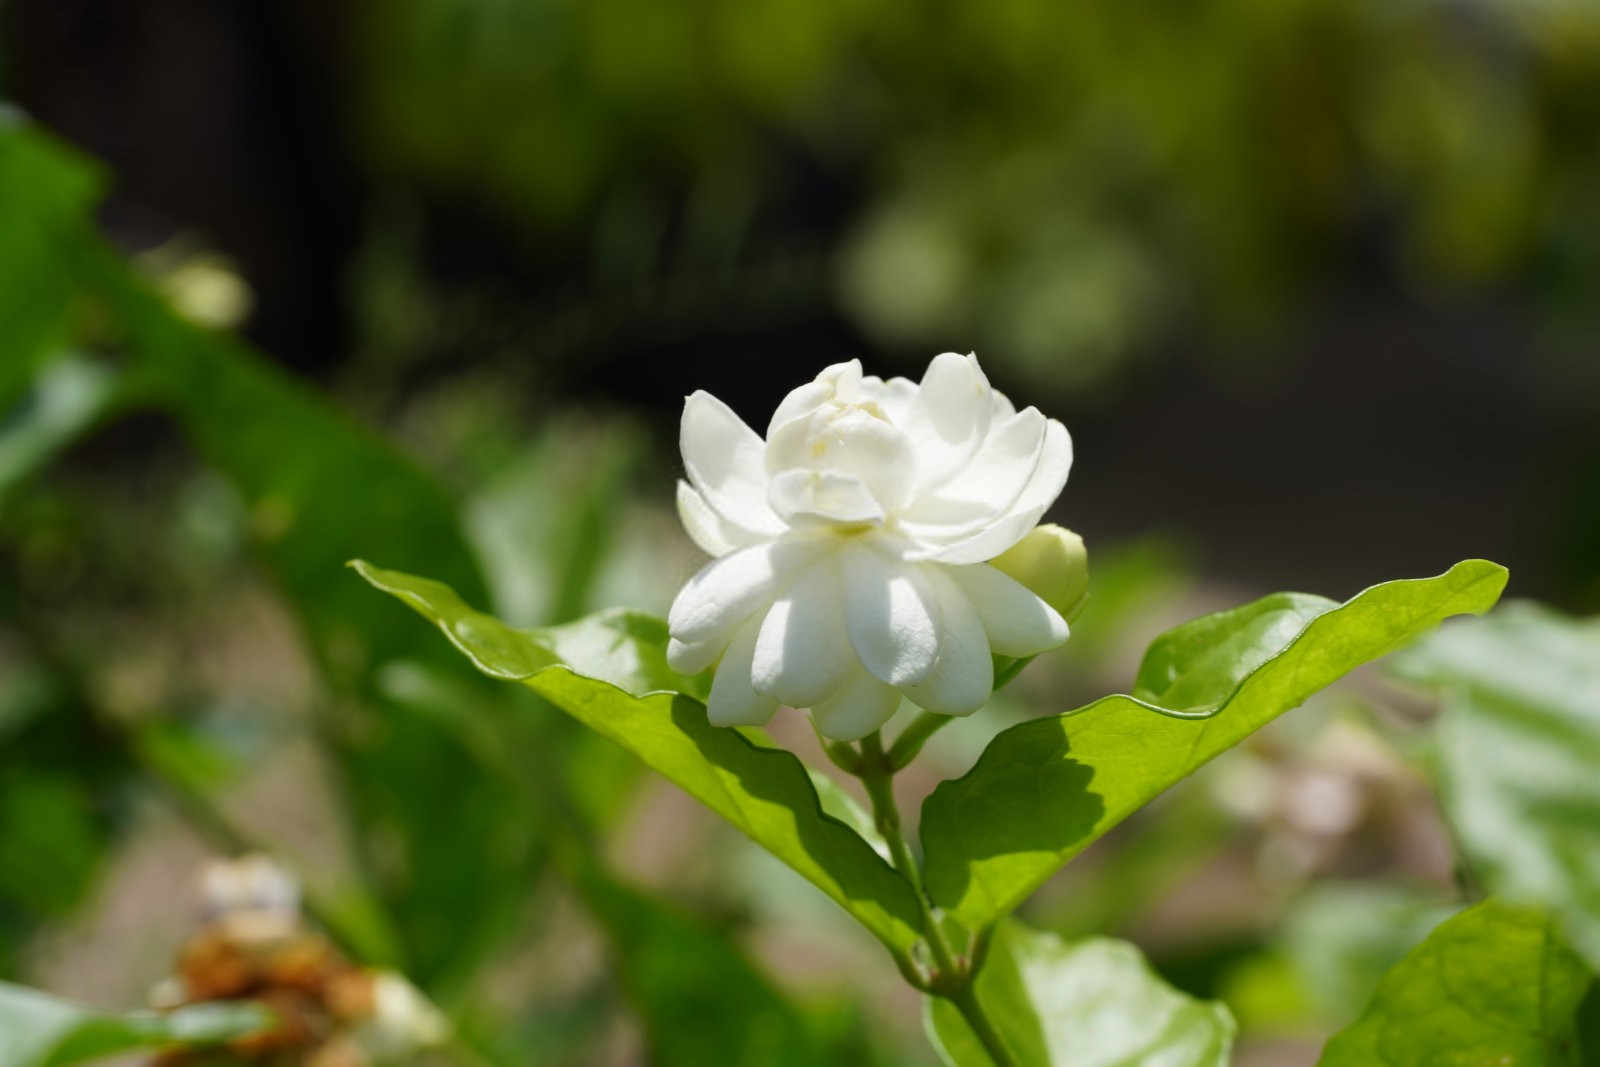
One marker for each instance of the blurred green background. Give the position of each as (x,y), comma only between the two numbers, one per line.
(1315,285)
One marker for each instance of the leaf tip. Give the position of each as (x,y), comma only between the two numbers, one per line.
(1496,575)
(363,568)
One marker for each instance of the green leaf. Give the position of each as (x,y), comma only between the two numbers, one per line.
(318,488)
(837,802)
(1091,1003)
(629,695)
(449,849)
(1494,985)
(700,1000)
(58,794)
(1340,938)
(1519,745)
(46,194)
(1044,790)
(38,1030)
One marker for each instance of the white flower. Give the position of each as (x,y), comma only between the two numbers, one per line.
(852,542)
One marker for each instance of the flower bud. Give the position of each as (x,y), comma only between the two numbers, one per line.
(1053,564)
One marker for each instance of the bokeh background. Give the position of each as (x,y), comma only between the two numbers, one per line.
(1314,284)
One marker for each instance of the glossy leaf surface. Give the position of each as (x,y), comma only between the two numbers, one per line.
(628,694)
(1091,1003)
(1494,985)
(1044,790)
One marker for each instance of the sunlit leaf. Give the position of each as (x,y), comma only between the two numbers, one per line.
(1494,985)
(1044,790)
(701,1001)
(1519,745)
(38,1030)
(635,700)
(838,802)
(1091,1003)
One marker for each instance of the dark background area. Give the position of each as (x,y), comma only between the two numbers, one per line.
(1305,381)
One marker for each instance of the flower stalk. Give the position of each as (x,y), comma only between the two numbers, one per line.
(952,976)
(913,737)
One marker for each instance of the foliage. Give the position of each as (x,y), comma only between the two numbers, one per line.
(630,695)
(994,835)
(40,1031)
(1495,984)
(1519,748)
(1045,789)
(463,796)
(1058,183)
(1091,1003)
(462,845)
(1341,938)
(677,970)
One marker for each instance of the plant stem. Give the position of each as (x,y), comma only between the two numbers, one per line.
(953,979)
(966,1002)
(1003,676)
(911,740)
(842,756)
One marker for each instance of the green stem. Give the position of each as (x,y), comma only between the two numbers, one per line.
(966,1002)
(1003,676)
(953,979)
(911,740)
(841,755)
(879,780)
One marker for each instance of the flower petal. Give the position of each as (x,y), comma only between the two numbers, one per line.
(963,675)
(724,592)
(949,417)
(801,496)
(1003,407)
(802,654)
(894,396)
(715,535)
(724,460)
(733,700)
(891,616)
(860,706)
(1036,497)
(693,658)
(847,440)
(986,488)
(1017,622)
(839,380)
